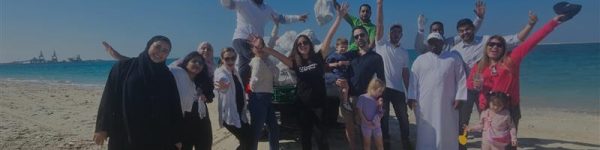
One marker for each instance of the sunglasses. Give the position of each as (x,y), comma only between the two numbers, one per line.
(229,58)
(303,43)
(495,44)
(360,35)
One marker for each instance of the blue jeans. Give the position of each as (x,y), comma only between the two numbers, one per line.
(261,112)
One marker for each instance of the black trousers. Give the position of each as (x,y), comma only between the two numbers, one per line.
(197,132)
(331,111)
(466,108)
(397,99)
(313,118)
(243,134)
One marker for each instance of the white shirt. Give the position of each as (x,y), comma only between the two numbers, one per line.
(395,59)
(263,75)
(435,83)
(187,91)
(227,100)
(472,52)
(421,44)
(251,18)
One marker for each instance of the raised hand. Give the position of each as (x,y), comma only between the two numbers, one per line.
(479,9)
(304,17)
(421,20)
(532,18)
(558,17)
(342,10)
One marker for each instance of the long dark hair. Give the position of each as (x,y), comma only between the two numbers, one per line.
(201,80)
(297,57)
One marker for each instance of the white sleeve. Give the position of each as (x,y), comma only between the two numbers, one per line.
(283,19)
(420,46)
(405,59)
(511,41)
(413,86)
(460,78)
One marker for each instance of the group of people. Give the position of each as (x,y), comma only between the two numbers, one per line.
(147,104)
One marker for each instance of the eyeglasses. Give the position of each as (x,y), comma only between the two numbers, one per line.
(229,58)
(495,44)
(360,35)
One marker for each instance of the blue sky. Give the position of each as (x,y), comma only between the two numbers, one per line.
(74,27)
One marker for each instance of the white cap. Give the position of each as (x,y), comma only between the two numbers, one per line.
(435,35)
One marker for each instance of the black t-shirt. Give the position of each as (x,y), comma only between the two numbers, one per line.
(310,89)
(362,69)
(239,94)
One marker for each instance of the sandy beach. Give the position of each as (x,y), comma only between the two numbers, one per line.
(37,115)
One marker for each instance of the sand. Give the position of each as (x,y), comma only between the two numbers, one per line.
(38,115)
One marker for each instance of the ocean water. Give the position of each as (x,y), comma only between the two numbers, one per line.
(556,75)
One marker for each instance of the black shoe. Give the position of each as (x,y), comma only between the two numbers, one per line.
(567,9)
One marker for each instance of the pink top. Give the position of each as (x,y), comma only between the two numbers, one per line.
(499,123)
(506,78)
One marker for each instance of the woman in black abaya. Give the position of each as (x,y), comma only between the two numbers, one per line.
(140,106)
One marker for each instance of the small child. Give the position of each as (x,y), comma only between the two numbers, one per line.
(370,109)
(498,128)
(339,63)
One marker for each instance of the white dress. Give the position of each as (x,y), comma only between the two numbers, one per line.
(435,82)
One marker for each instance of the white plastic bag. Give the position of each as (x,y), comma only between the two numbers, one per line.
(324,11)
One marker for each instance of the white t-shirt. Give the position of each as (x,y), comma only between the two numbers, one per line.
(251,18)
(394,60)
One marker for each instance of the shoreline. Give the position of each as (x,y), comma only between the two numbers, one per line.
(37,115)
(528,104)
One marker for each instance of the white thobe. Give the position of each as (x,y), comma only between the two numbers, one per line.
(435,82)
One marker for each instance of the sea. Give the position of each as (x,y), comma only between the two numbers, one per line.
(565,76)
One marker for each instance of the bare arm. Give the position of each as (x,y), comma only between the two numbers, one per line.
(325,45)
(525,31)
(480,13)
(379,26)
(420,37)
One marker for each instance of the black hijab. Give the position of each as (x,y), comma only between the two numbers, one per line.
(151,107)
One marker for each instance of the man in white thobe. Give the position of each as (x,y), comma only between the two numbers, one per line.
(437,84)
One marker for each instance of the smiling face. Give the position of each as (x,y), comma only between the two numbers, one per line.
(159,51)
(365,13)
(395,34)
(195,66)
(304,45)
(495,49)
(466,33)
(228,59)
(206,51)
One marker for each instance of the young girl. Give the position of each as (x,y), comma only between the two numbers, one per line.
(497,125)
(261,84)
(371,111)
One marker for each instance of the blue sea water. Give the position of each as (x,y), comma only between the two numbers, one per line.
(557,75)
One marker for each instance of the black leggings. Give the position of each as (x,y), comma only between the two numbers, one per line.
(197,132)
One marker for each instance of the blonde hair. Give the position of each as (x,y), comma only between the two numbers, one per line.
(375,84)
(486,60)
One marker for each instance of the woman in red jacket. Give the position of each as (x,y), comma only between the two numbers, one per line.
(498,71)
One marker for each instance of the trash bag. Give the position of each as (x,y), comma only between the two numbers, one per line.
(324,11)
